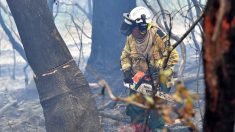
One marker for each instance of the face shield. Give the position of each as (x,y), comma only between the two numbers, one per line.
(127,25)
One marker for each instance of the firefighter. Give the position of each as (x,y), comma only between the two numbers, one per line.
(145,48)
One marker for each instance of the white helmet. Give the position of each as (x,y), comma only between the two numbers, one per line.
(140,16)
(136,13)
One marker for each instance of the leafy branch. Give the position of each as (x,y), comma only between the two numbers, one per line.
(182,96)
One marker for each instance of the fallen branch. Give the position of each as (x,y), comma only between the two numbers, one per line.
(109,104)
(8,105)
(114,117)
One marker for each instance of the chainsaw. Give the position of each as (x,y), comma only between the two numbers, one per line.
(142,84)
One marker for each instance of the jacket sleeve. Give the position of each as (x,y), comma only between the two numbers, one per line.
(174,58)
(125,57)
(162,39)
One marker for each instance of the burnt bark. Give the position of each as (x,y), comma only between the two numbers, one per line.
(63,91)
(50,4)
(219,65)
(107,41)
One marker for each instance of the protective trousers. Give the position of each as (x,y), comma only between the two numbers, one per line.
(140,116)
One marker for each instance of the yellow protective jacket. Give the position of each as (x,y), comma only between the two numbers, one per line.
(134,59)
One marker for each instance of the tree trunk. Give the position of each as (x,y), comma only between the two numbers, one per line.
(107,41)
(50,4)
(63,91)
(219,65)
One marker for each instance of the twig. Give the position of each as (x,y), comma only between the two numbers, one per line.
(81,54)
(163,15)
(26,79)
(181,39)
(75,24)
(17,46)
(171,35)
(114,98)
(188,31)
(149,6)
(200,59)
(72,38)
(79,7)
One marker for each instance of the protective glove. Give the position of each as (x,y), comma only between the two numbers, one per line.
(128,76)
(164,75)
(167,72)
(153,72)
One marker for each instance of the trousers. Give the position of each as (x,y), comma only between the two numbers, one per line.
(140,116)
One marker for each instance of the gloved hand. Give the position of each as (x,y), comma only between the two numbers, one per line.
(153,72)
(128,76)
(167,72)
(164,75)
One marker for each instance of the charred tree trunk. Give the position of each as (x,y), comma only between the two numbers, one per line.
(107,41)
(219,65)
(63,91)
(50,4)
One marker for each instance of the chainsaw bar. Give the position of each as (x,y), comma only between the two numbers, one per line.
(146,89)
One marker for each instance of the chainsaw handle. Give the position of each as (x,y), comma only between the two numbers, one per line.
(142,80)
